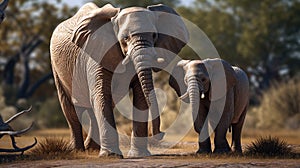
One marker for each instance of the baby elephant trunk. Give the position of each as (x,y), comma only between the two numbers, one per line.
(193,90)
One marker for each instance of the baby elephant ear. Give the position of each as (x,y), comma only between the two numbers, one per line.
(95,36)
(222,77)
(172,32)
(176,79)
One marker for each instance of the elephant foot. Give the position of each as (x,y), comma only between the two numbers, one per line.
(104,153)
(222,150)
(203,151)
(237,150)
(77,146)
(204,147)
(91,145)
(137,153)
(159,136)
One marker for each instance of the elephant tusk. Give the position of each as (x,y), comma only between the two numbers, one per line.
(185,95)
(202,95)
(160,60)
(126,60)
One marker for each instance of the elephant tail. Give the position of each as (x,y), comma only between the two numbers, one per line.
(230,130)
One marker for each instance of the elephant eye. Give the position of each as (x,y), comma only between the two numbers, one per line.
(155,36)
(126,38)
(203,80)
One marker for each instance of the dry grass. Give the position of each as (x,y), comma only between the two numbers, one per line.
(48,149)
(280,106)
(53,148)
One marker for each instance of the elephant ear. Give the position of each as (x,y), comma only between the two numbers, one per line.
(172,32)
(176,79)
(222,77)
(95,36)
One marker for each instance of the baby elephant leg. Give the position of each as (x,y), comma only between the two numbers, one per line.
(221,143)
(201,127)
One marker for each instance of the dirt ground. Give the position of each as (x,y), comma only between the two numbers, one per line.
(179,155)
(159,162)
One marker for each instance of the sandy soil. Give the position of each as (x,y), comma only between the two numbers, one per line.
(177,156)
(162,161)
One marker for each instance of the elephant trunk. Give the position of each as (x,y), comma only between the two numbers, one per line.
(193,91)
(143,64)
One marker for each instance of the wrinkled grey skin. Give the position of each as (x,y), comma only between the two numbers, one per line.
(3,6)
(194,79)
(90,88)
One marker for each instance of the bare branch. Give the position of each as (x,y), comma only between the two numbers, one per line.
(3,5)
(16,133)
(20,149)
(17,115)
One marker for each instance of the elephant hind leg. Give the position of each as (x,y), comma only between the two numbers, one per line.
(221,143)
(92,140)
(236,132)
(70,114)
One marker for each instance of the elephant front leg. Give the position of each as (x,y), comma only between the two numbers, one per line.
(92,140)
(201,127)
(139,136)
(102,107)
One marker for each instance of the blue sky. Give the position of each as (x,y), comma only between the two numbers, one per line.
(81,2)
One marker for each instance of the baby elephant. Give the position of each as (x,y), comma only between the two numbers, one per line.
(218,94)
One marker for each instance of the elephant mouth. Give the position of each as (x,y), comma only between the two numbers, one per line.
(186,94)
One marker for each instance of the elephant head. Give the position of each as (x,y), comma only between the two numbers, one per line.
(133,34)
(3,6)
(206,79)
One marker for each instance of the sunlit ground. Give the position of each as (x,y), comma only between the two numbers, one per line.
(186,145)
(177,155)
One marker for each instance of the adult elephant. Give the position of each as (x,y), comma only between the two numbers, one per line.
(218,94)
(97,43)
(3,6)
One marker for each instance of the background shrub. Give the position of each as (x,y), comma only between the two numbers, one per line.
(280,106)
(50,115)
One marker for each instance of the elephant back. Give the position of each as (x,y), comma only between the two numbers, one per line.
(61,39)
(63,52)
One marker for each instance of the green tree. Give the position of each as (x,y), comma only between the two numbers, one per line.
(270,37)
(24,53)
(260,36)
(142,3)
